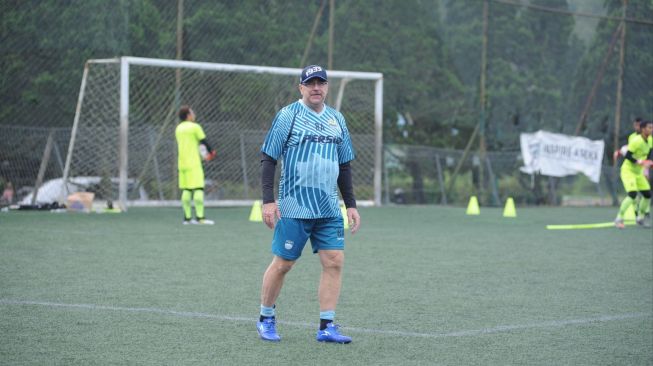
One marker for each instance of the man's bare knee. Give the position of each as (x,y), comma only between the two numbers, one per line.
(281,265)
(332,259)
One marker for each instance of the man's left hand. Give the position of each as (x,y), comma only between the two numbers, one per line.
(354,219)
(271,214)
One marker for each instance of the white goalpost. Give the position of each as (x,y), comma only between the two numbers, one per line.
(122,137)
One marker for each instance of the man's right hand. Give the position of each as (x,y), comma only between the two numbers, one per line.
(271,214)
(645,163)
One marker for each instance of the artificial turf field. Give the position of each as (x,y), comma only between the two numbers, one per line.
(422,286)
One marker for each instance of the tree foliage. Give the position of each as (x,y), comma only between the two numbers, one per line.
(539,72)
(637,99)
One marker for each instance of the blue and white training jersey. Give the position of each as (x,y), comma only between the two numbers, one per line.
(310,156)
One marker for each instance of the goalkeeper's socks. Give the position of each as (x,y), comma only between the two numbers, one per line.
(185,203)
(644,206)
(198,198)
(326,317)
(625,204)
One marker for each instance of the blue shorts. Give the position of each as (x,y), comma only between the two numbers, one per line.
(291,235)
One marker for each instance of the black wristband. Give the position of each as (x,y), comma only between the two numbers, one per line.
(629,156)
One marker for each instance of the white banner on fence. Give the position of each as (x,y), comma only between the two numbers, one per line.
(559,155)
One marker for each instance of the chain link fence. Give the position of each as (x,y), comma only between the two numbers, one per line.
(31,156)
(497,67)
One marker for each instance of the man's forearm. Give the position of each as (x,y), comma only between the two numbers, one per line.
(268,167)
(346,186)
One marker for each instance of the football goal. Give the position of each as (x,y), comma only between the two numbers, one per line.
(123,130)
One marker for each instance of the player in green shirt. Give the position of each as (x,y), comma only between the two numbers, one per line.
(190,136)
(624,149)
(637,158)
(620,153)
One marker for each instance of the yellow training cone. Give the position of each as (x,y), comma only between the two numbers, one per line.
(343,210)
(472,208)
(255,214)
(509,210)
(630,213)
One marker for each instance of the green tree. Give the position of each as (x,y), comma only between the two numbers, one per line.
(530,62)
(45,44)
(249,32)
(638,68)
(401,40)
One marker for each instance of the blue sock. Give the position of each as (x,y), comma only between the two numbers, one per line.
(326,317)
(267,312)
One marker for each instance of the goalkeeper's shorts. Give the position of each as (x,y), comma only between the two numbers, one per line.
(634,182)
(191,178)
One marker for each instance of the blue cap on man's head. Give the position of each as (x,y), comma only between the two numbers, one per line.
(312,71)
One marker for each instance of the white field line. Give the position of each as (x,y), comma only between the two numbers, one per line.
(459,333)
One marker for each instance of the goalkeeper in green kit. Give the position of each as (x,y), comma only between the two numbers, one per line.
(190,141)
(637,158)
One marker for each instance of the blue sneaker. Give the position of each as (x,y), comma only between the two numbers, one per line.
(331,334)
(267,330)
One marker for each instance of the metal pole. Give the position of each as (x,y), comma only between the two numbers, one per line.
(180,40)
(462,159)
(124,133)
(597,81)
(378,140)
(443,199)
(341,93)
(481,140)
(493,181)
(332,7)
(73,135)
(309,43)
(44,165)
(620,80)
(180,52)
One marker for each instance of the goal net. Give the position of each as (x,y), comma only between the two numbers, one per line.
(123,132)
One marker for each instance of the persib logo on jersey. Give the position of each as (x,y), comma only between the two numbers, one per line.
(322,139)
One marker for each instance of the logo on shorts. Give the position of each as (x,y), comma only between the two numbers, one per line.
(289,244)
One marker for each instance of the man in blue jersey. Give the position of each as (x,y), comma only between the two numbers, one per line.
(313,143)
